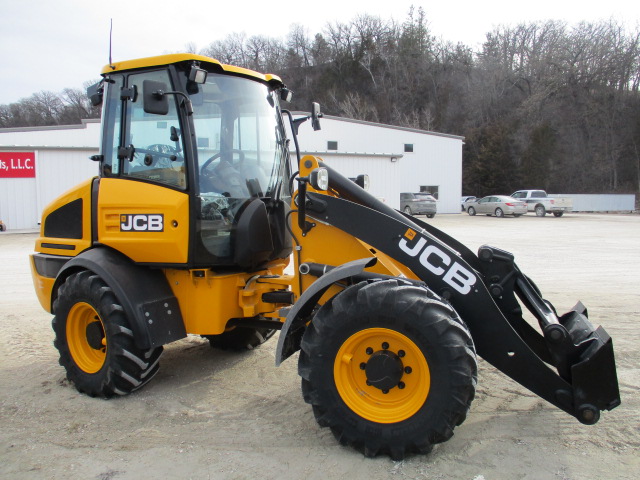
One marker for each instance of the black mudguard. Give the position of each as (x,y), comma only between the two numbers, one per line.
(145,295)
(287,342)
(447,272)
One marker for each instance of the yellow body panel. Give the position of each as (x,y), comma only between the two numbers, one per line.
(81,191)
(122,201)
(184,57)
(208,300)
(43,286)
(329,245)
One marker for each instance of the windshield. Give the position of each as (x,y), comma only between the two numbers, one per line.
(238,137)
(241,154)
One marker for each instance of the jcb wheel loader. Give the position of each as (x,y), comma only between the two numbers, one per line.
(195,215)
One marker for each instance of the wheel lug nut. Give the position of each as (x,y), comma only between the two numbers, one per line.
(363,366)
(401,353)
(408,370)
(401,385)
(369,351)
(385,346)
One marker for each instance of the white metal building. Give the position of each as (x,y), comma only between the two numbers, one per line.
(37,164)
(396,159)
(60,161)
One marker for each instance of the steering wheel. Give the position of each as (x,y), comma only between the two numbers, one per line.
(224,178)
(217,155)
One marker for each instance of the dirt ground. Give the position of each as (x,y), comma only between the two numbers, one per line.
(217,415)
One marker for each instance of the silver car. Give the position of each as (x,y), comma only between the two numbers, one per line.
(418,204)
(498,205)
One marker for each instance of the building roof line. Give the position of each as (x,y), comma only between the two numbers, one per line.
(393,127)
(84,123)
(14,148)
(351,154)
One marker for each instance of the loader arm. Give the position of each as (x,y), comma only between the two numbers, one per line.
(496,340)
(571,365)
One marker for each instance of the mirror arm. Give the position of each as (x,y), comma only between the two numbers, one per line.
(187,100)
(294,131)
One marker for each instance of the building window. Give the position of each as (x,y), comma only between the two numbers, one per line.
(332,145)
(408,147)
(432,189)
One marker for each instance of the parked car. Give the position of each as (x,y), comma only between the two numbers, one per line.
(498,205)
(466,200)
(418,204)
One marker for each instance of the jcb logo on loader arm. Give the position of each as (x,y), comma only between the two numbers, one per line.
(142,222)
(438,262)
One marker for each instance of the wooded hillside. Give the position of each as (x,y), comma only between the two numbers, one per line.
(541,105)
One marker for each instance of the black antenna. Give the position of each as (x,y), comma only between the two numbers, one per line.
(110,35)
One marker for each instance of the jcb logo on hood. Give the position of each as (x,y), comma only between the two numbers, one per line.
(438,262)
(142,222)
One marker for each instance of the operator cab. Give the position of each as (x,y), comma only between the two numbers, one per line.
(215,133)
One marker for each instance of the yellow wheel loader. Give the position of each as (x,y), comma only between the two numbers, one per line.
(196,213)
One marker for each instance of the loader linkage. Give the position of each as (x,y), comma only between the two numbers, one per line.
(482,289)
(582,354)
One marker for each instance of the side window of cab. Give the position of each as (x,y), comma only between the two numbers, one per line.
(152,148)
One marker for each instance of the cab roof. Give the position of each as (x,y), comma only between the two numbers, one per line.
(189,57)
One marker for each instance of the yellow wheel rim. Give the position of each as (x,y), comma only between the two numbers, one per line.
(88,353)
(389,405)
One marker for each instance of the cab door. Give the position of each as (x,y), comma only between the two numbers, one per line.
(143,202)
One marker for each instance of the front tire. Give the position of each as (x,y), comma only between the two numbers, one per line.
(407,210)
(389,367)
(499,212)
(540,211)
(471,211)
(95,340)
(557,214)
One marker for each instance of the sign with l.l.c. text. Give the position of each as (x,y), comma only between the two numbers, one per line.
(17,164)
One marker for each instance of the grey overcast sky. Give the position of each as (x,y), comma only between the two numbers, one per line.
(54,44)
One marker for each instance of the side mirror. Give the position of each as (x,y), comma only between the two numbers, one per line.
(95,92)
(155,100)
(315,116)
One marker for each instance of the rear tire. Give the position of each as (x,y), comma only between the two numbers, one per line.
(95,340)
(389,367)
(240,338)
(471,211)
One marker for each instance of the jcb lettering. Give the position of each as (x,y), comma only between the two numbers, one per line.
(142,222)
(439,263)
(430,257)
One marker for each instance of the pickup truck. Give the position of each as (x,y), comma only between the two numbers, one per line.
(538,201)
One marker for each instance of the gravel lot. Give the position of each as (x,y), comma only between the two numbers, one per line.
(218,415)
